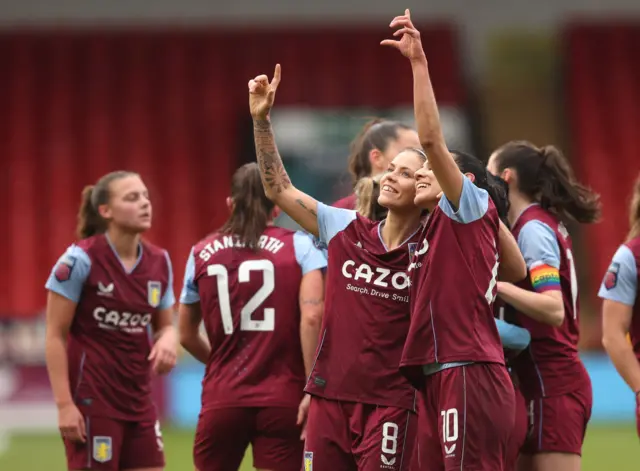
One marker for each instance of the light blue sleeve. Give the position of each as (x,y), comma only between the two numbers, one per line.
(512,336)
(332,220)
(539,245)
(308,256)
(69,273)
(621,281)
(169,297)
(190,294)
(474,203)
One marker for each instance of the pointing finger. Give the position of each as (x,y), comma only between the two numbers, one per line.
(276,77)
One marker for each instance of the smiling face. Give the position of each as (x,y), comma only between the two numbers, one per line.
(397,186)
(428,191)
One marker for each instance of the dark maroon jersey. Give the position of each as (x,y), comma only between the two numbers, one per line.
(348,202)
(551,366)
(250,308)
(110,337)
(366,314)
(453,287)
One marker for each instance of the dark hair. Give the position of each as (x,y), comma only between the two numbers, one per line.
(545,176)
(634,212)
(251,210)
(495,186)
(90,222)
(367,191)
(375,134)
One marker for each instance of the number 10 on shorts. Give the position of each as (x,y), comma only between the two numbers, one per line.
(449,430)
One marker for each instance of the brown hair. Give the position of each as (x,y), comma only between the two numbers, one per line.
(375,134)
(634,212)
(545,176)
(252,209)
(90,222)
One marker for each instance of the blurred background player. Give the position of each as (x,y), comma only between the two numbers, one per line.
(105,293)
(259,290)
(621,305)
(543,192)
(362,409)
(453,353)
(370,152)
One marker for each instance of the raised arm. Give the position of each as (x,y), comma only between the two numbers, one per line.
(426,109)
(277,186)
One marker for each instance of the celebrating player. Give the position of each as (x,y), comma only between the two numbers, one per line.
(543,192)
(259,290)
(377,143)
(105,293)
(621,305)
(361,414)
(453,353)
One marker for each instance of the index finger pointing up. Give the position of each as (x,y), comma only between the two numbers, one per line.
(276,77)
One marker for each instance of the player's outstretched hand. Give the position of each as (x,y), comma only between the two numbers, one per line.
(164,353)
(262,94)
(71,423)
(409,43)
(303,412)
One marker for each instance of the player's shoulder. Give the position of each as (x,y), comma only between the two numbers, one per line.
(92,244)
(634,247)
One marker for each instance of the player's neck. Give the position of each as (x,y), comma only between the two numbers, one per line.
(125,244)
(517,204)
(397,229)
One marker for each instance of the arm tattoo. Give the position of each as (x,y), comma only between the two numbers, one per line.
(301,203)
(313,302)
(274,176)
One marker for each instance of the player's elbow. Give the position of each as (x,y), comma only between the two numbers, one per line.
(187,336)
(612,339)
(557,316)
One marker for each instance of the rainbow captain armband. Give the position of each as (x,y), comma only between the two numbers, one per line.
(544,277)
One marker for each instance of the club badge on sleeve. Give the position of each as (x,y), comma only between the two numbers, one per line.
(611,278)
(64,268)
(308,461)
(102,449)
(154,293)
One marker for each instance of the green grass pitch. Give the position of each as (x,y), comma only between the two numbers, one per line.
(608,447)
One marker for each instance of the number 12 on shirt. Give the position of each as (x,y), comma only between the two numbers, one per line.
(244,276)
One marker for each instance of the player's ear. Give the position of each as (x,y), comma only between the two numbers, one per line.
(105,211)
(230,203)
(275,212)
(470,176)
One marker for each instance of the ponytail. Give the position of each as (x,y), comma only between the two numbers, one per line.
(90,222)
(252,210)
(499,193)
(634,212)
(545,176)
(367,191)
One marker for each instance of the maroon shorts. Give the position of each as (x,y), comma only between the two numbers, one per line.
(113,445)
(465,419)
(222,437)
(520,430)
(349,436)
(558,423)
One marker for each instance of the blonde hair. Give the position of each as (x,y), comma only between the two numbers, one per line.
(367,192)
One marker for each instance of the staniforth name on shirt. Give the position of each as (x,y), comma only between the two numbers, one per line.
(270,244)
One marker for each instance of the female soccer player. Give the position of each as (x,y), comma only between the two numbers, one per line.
(372,149)
(259,290)
(453,353)
(621,305)
(362,409)
(543,192)
(105,293)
